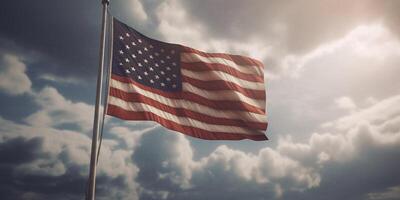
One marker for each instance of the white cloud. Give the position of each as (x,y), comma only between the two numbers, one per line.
(55,110)
(13,78)
(345,103)
(372,41)
(347,137)
(58,79)
(138,10)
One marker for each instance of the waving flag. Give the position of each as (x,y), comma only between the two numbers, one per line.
(211,96)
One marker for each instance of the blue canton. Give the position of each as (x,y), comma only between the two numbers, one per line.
(146,61)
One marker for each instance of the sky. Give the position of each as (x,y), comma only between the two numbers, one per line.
(333,101)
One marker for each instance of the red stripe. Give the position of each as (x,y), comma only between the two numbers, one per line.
(224,85)
(238,59)
(216,104)
(202,66)
(188,130)
(182,112)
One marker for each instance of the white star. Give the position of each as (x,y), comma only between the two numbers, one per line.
(127,71)
(157,77)
(127,47)
(120,64)
(133,56)
(121,38)
(168,57)
(174,86)
(127,34)
(139,40)
(174,75)
(151,69)
(162,61)
(126,60)
(168,79)
(140,52)
(139,64)
(145,60)
(145,48)
(133,69)
(151,46)
(162,72)
(139,77)
(156,64)
(174,64)
(121,52)
(172,51)
(133,43)
(168,68)
(151,81)
(145,73)
(151,56)
(162,84)
(157,54)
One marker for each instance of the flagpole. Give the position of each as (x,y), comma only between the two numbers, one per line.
(90,195)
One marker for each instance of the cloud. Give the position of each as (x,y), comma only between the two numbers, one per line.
(166,163)
(59,159)
(138,10)
(53,148)
(59,79)
(57,111)
(53,36)
(388,194)
(13,78)
(345,103)
(373,42)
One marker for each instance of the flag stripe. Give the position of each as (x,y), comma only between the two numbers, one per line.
(214,75)
(182,112)
(201,66)
(229,95)
(247,117)
(184,121)
(192,131)
(128,85)
(193,57)
(223,85)
(238,59)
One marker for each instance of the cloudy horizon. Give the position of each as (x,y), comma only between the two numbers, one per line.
(333,101)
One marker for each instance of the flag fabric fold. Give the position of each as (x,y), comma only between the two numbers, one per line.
(212,96)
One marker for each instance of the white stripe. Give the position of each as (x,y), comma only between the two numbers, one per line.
(229,95)
(193,57)
(217,75)
(189,105)
(185,121)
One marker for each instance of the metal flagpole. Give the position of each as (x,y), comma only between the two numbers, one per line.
(96,122)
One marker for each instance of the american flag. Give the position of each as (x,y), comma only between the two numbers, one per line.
(211,96)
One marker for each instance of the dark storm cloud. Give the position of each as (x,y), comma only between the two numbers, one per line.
(66,33)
